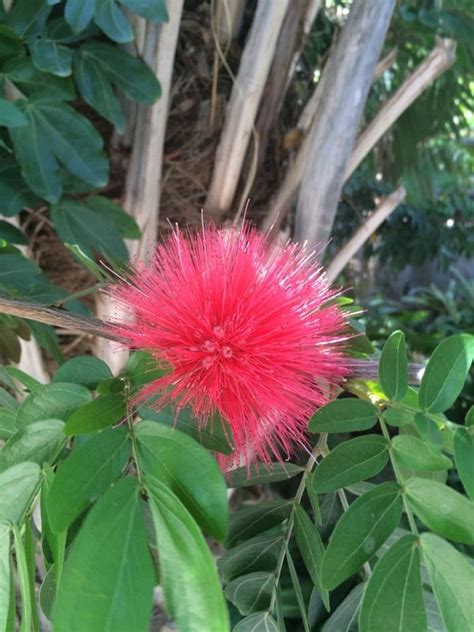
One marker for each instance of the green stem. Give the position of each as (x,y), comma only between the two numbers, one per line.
(80,294)
(318,450)
(133,437)
(399,477)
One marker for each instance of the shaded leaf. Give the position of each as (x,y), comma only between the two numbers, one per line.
(49,56)
(187,571)
(109,575)
(86,474)
(442,509)
(11,115)
(464,458)
(85,370)
(393,599)
(344,415)
(416,454)
(344,618)
(311,549)
(258,554)
(253,519)
(155,11)
(166,455)
(96,415)
(18,485)
(350,462)
(393,367)
(251,592)
(51,401)
(262,474)
(257,622)
(37,443)
(362,529)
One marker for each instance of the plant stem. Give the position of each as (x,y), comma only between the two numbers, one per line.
(399,477)
(133,437)
(79,294)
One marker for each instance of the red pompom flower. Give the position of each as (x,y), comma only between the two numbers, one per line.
(245,330)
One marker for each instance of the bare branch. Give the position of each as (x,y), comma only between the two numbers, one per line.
(362,234)
(440,59)
(243,105)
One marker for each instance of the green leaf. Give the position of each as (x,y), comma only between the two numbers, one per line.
(262,474)
(28,17)
(18,485)
(469,421)
(362,529)
(297,588)
(36,84)
(113,21)
(215,436)
(7,423)
(27,380)
(251,592)
(37,443)
(108,578)
(142,368)
(51,401)
(96,89)
(86,474)
(446,373)
(452,579)
(417,455)
(76,223)
(155,11)
(393,599)
(258,554)
(78,13)
(165,454)
(54,544)
(253,519)
(442,509)
(397,417)
(344,415)
(257,622)
(311,549)
(122,220)
(433,615)
(464,459)
(125,71)
(49,56)
(188,573)
(351,461)
(23,580)
(85,370)
(11,115)
(5,574)
(10,43)
(393,367)
(96,415)
(429,430)
(344,618)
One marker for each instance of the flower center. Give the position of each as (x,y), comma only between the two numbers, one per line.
(216,348)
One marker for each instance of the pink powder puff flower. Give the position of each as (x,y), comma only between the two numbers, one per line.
(245,330)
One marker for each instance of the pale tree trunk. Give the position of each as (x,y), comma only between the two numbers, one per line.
(143,184)
(244,101)
(384,209)
(349,71)
(438,61)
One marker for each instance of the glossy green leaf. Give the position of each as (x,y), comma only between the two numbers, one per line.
(262,474)
(5,574)
(393,599)
(344,618)
(188,572)
(52,401)
(417,455)
(362,529)
(125,71)
(11,115)
(393,367)
(85,370)
(108,578)
(86,474)
(112,20)
(257,554)
(49,56)
(257,622)
(78,13)
(464,459)
(76,223)
(311,549)
(155,11)
(166,455)
(18,486)
(446,373)
(254,519)
(38,443)
(442,509)
(452,579)
(251,592)
(351,461)
(344,415)
(96,415)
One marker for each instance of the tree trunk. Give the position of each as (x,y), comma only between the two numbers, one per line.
(245,99)
(349,71)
